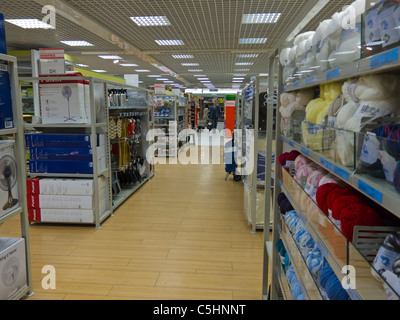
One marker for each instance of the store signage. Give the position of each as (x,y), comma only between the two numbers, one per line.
(159,88)
(52,61)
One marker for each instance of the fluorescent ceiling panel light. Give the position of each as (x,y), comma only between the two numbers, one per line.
(77,43)
(205,81)
(252,40)
(189,64)
(242,70)
(263,74)
(154,75)
(195,70)
(199,75)
(82,65)
(253,18)
(110,57)
(128,64)
(237,81)
(162,79)
(182,56)
(237,78)
(149,21)
(168,82)
(239,75)
(30,23)
(142,70)
(244,63)
(248,55)
(170,42)
(99,71)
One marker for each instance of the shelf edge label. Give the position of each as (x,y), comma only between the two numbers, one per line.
(309,81)
(370,191)
(326,164)
(384,58)
(341,173)
(334,73)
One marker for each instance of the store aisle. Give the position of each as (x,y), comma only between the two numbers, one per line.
(181,236)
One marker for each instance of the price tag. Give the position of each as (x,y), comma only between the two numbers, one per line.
(291,143)
(326,164)
(296,84)
(341,173)
(384,58)
(309,81)
(370,191)
(305,151)
(52,61)
(334,73)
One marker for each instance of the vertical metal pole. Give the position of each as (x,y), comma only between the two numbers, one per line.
(256,106)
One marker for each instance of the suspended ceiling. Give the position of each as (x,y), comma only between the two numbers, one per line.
(209,29)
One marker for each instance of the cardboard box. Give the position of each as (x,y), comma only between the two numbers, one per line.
(8,178)
(44,201)
(3,43)
(61,215)
(77,154)
(58,166)
(6,114)
(48,186)
(12,268)
(63,101)
(42,140)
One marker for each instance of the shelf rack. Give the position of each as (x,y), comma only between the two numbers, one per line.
(179,116)
(18,137)
(379,191)
(100,113)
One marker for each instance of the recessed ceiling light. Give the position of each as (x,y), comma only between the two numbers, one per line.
(142,70)
(128,64)
(147,21)
(239,75)
(110,57)
(244,63)
(270,17)
(264,74)
(99,71)
(237,78)
(162,79)
(199,75)
(30,23)
(237,81)
(82,65)
(168,81)
(248,55)
(77,43)
(154,75)
(252,40)
(242,70)
(203,79)
(170,42)
(190,64)
(182,56)
(195,70)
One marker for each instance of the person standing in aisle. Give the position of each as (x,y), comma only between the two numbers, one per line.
(215,114)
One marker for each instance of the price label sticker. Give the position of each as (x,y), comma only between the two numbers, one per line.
(309,81)
(305,151)
(341,173)
(334,73)
(370,191)
(326,164)
(384,58)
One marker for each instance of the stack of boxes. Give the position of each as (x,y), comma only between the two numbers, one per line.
(65,200)
(65,153)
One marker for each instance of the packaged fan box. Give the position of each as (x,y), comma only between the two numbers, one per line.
(13,280)
(8,178)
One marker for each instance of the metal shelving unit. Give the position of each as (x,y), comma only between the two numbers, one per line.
(176,122)
(19,143)
(344,252)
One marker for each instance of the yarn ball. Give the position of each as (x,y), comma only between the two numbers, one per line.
(331,284)
(323,194)
(358,214)
(337,192)
(301,160)
(281,197)
(303,172)
(342,202)
(285,206)
(314,178)
(329,178)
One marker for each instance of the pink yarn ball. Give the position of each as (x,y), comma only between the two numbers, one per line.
(304,171)
(301,160)
(314,178)
(329,178)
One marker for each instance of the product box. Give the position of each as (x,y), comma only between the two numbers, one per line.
(3,43)
(63,101)
(43,201)
(61,215)
(76,154)
(59,166)
(12,268)
(8,178)
(49,186)
(6,114)
(43,140)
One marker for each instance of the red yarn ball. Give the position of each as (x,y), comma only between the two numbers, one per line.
(322,195)
(343,202)
(358,215)
(338,192)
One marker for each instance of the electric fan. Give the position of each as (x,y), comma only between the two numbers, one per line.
(10,275)
(67,93)
(8,179)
